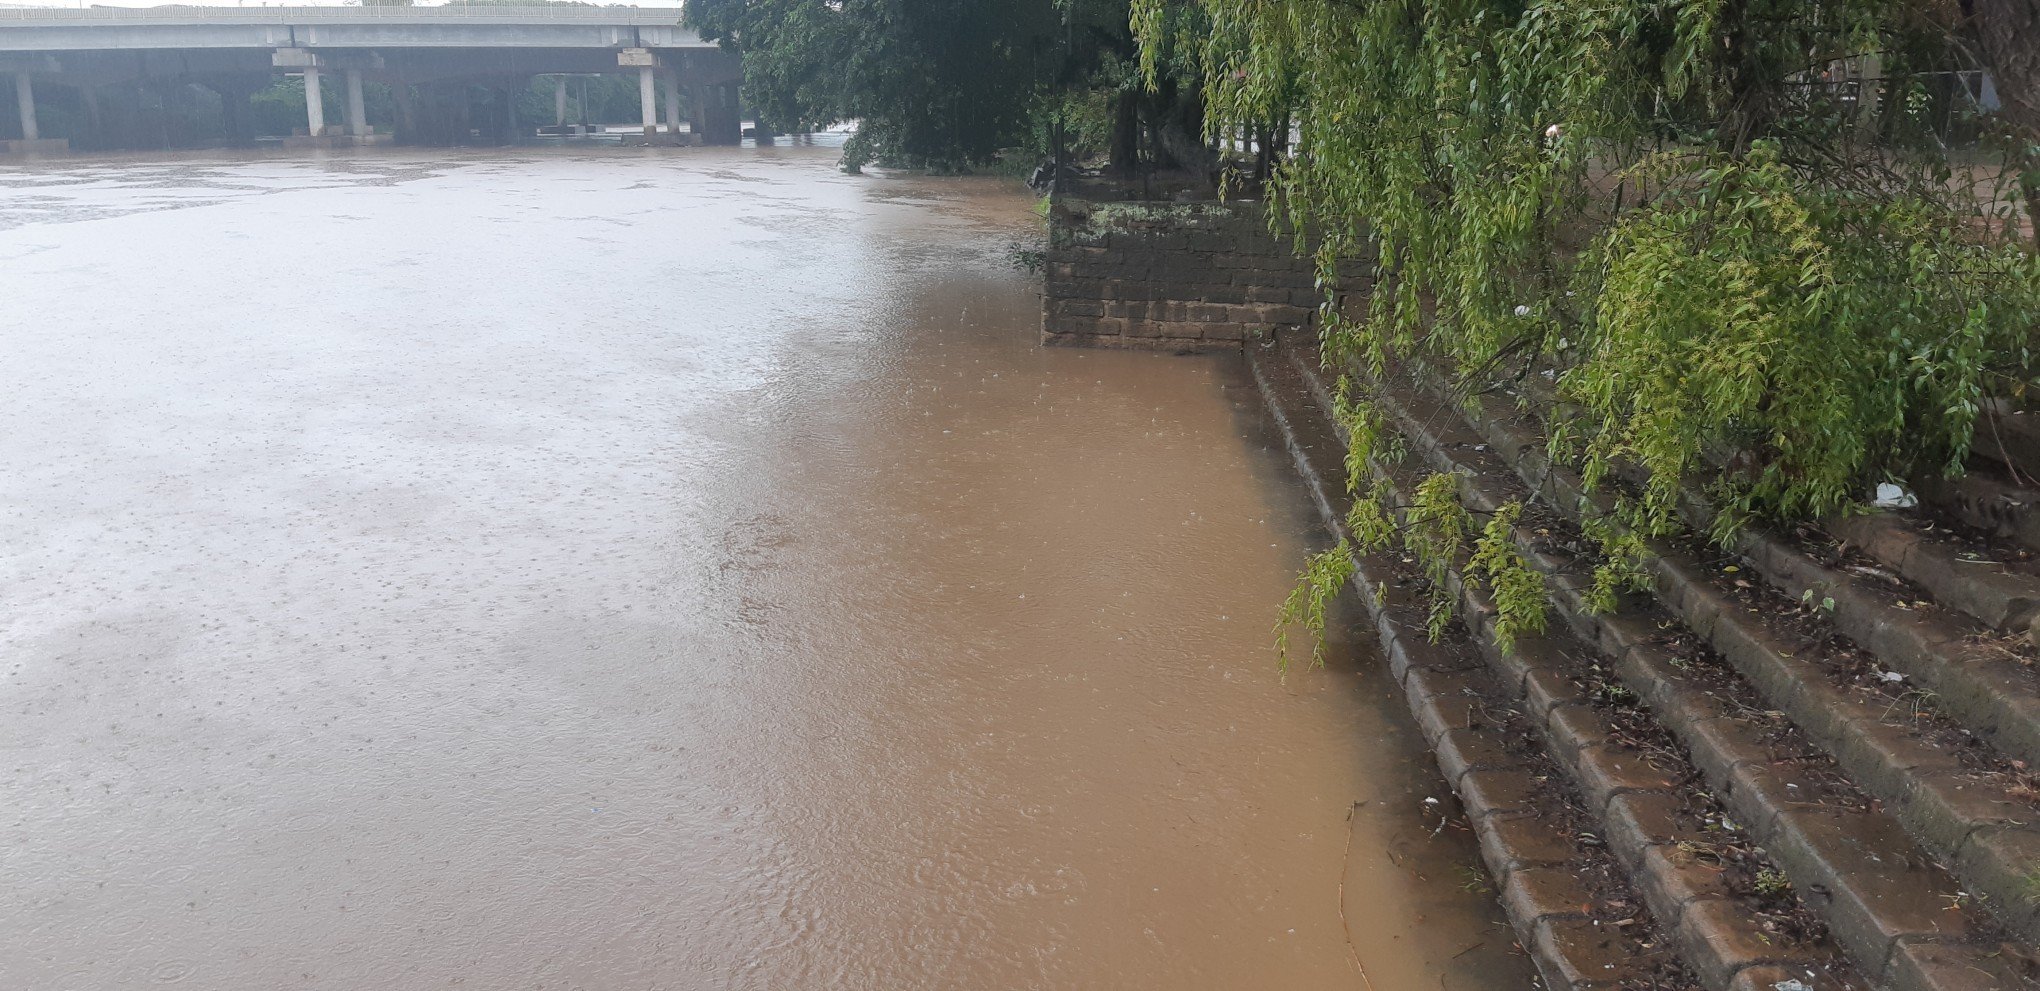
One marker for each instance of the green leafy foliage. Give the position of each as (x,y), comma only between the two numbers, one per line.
(1434,532)
(1809,338)
(1519,593)
(1371,519)
(1324,576)
(1362,423)
(947,84)
(1621,567)
(1085,117)
(1731,233)
(935,83)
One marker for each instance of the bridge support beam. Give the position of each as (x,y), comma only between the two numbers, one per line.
(648,103)
(24,95)
(357,114)
(315,102)
(559,101)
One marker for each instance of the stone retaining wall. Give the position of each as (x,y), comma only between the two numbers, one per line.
(1169,276)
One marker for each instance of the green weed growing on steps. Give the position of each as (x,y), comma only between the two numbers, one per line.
(1031,255)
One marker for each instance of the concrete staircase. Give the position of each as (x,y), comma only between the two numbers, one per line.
(1804,762)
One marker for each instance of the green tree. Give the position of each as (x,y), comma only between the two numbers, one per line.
(1731,232)
(939,83)
(947,83)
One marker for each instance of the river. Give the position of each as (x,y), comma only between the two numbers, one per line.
(619,569)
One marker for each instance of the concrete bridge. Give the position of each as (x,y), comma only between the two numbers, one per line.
(236,52)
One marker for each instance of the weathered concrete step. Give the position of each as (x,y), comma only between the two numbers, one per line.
(2002,598)
(2009,437)
(1989,504)
(1954,813)
(1580,924)
(1672,838)
(1981,680)
(1881,896)
(1970,807)
(1663,838)
(1923,568)
(1879,890)
(1949,806)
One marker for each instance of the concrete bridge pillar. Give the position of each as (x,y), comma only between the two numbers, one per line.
(559,101)
(673,104)
(357,114)
(315,102)
(648,102)
(24,95)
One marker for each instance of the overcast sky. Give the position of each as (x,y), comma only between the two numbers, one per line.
(238,3)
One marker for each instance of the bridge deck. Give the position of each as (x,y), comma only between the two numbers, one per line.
(116,28)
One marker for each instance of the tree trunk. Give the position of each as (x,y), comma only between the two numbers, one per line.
(1124,156)
(2007,38)
(1179,132)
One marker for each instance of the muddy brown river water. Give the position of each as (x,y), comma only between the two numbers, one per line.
(619,570)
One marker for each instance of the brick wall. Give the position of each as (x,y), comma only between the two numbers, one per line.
(1169,276)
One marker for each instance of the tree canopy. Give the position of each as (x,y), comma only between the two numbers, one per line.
(1773,248)
(934,82)
(948,83)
